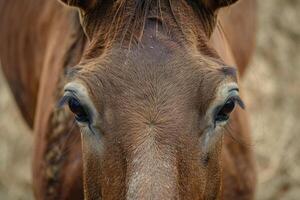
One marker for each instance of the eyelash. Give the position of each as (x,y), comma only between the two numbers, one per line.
(81,113)
(222,114)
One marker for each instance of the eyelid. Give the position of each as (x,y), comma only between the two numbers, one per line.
(234,97)
(61,102)
(238,100)
(68,94)
(234,94)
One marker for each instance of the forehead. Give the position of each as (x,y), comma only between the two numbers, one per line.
(153,72)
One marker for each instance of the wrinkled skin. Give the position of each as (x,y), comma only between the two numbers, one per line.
(150,91)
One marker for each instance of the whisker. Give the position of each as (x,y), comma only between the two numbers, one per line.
(64,148)
(229,130)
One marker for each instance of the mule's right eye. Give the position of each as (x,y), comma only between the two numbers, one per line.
(81,115)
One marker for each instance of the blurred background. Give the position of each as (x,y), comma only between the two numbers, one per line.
(272,87)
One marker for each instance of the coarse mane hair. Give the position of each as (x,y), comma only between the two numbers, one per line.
(131,16)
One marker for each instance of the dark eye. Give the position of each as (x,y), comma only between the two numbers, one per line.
(225,110)
(80,113)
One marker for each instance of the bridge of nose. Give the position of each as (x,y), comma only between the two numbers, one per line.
(150,120)
(153,153)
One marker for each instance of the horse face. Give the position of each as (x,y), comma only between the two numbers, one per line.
(151,114)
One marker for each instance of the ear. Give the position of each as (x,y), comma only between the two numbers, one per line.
(216,4)
(82,4)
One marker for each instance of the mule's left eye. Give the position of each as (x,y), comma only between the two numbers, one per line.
(224,112)
(80,113)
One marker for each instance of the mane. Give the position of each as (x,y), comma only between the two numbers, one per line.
(137,12)
(126,20)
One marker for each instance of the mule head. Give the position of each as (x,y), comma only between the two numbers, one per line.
(152,99)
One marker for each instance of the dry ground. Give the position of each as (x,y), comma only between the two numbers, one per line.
(273,97)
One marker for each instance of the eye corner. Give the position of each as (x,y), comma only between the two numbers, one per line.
(79,110)
(68,94)
(78,101)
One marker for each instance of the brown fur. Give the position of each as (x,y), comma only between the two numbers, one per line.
(152,69)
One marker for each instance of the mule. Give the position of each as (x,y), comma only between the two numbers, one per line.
(153,88)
